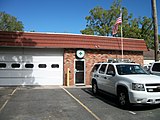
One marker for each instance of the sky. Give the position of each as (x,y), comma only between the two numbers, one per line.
(66,16)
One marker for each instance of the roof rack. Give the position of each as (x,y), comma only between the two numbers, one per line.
(113,60)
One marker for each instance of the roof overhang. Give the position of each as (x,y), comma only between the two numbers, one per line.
(56,40)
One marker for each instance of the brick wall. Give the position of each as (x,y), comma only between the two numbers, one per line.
(94,56)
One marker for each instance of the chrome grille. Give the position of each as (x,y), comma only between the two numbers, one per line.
(153,87)
(153,90)
(155,84)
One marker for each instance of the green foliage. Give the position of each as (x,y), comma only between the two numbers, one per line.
(97,22)
(10,23)
(101,21)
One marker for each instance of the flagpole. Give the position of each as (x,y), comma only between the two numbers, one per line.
(122,42)
(115,29)
(121,37)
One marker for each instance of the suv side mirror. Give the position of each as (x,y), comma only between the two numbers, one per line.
(111,73)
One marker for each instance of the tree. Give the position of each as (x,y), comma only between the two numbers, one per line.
(10,23)
(147,32)
(101,21)
(141,28)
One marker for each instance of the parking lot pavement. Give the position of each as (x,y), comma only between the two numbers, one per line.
(5,94)
(43,104)
(105,106)
(68,103)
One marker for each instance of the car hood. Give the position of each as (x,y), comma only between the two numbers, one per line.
(155,73)
(143,78)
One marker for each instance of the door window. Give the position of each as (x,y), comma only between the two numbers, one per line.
(80,65)
(110,70)
(102,69)
(79,72)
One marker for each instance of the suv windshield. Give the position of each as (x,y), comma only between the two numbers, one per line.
(156,67)
(126,69)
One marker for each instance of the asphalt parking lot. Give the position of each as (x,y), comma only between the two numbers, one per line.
(63,103)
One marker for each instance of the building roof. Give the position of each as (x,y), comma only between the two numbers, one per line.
(55,40)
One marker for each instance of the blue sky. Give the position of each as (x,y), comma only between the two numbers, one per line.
(66,16)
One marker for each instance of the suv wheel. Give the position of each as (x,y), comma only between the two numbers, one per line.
(123,98)
(94,88)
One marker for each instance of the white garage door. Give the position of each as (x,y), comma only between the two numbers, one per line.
(31,66)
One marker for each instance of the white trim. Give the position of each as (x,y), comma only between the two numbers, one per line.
(84,83)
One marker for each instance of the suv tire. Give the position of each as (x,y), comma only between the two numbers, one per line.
(94,88)
(123,98)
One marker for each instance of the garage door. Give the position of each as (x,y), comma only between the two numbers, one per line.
(31,66)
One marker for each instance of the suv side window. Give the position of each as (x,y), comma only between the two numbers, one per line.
(103,68)
(95,68)
(110,70)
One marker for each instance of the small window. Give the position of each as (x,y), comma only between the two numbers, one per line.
(55,66)
(15,65)
(42,65)
(95,68)
(102,69)
(2,65)
(29,65)
(110,70)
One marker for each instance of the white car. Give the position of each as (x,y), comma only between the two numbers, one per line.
(128,81)
(155,68)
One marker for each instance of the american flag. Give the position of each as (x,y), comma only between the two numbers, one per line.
(115,27)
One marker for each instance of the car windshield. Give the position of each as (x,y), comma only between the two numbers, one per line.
(156,67)
(126,69)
